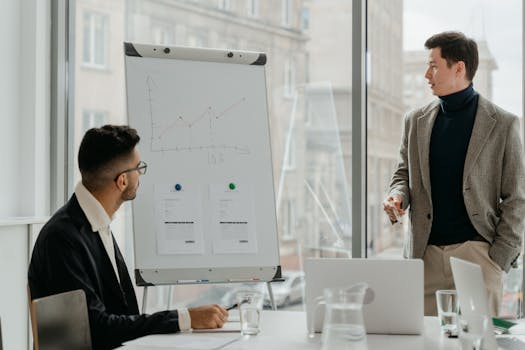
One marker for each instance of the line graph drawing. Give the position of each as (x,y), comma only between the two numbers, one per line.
(203,130)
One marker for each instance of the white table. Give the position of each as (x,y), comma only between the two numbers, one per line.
(286,330)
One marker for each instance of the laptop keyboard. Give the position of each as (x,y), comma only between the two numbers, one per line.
(510,343)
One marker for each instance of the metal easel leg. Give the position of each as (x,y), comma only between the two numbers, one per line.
(170,291)
(144,299)
(270,293)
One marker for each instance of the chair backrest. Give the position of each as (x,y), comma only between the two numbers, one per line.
(61,321)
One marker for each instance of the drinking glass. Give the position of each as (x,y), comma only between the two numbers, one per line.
(447,306)
(250,304)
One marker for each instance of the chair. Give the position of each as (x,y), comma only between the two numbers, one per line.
(61,321)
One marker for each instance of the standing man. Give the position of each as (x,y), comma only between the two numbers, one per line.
(76,249)
(461,172)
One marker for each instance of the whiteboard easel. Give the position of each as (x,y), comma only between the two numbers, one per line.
(205,212)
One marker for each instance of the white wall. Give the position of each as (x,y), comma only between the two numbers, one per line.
(17,238)
(24,111)
(24,151)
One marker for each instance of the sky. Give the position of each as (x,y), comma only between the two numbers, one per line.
(499,22)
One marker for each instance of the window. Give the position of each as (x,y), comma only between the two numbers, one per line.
(305,18)
(95,39)
(223,4)
(290,155)
(289,232)
(289,78)
(309,96)
(162,33)
(286,8)
(253,8)
(92,119)
(196,38)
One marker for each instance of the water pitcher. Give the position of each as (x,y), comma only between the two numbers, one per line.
(343,326)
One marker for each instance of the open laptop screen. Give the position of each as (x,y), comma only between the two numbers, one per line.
(472,293)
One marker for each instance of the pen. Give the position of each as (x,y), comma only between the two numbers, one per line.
(232,307)
(244,301)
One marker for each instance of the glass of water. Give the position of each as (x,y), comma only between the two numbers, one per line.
(447,306)
(250,304)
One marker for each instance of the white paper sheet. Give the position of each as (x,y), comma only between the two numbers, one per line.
(178,220)
(187,341)
(229,327)
(233,225)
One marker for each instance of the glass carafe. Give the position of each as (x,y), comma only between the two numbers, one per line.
(343,326)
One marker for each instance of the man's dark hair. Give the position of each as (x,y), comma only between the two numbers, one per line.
(101,152)
(455,47)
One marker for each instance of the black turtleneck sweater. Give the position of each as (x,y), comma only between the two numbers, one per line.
(448,149)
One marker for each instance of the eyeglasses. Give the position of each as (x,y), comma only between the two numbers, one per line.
(141,168)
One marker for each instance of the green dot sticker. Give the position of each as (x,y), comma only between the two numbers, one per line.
(231,186)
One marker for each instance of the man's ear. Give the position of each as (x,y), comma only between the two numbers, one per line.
(461,69)
(122,182)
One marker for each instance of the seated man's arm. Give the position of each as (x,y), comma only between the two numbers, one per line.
(69,267)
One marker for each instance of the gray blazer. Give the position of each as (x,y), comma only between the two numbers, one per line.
(493,180)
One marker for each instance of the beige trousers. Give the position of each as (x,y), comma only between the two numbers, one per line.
(438,274)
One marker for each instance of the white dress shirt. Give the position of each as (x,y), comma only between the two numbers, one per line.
(99,220)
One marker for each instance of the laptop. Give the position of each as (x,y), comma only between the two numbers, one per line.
(395,292)
(473,298)
(61,321)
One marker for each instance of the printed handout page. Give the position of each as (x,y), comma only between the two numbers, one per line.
(187,341)
(178,214)
(233,225)
(231,326)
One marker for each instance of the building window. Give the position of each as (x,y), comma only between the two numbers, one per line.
(305,18)
(289,78)
(289,162)
(95,40)
(92,119)
(253,8)
(162,33)
(289,226)
(224,5)
(231,43)
(197,38)
(286,13)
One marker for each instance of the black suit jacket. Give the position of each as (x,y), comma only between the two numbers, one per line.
(68,256)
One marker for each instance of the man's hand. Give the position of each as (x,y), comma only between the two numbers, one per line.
(208,316)
(393,207)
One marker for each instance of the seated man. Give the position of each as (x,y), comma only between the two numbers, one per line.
(76,249)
